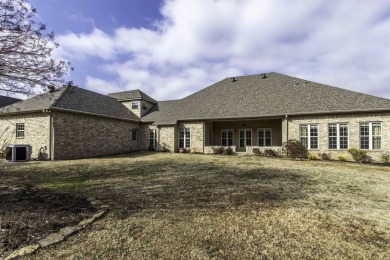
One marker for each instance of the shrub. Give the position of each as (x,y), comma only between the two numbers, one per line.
(325,156)
(295,149)
(185,150)
(218,150)
(270,153)
(229,151)
(342,158)
(359,155)
(385,157)
(256,151)
(312,157)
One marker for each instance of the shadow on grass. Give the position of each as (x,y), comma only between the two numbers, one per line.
(171,183)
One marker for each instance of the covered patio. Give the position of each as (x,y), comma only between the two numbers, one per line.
(243,134)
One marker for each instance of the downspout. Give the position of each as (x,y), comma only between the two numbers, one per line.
(50,135)
(204,136)
(158,138)
(286,128)
(53,138)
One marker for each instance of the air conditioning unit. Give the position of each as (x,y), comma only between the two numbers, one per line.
(18,152)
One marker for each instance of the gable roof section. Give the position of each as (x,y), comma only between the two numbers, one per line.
(5,101)
(73,99)
(255,96)
(132,95)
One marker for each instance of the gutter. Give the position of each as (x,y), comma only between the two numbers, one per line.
(93,114)
(277,116)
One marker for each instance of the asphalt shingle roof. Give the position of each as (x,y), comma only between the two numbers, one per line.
(73,99)
(255,96)
(131,95)
(5,101)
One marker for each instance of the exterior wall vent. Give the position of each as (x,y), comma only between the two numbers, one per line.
(234,79)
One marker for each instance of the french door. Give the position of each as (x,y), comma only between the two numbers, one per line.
(245,137)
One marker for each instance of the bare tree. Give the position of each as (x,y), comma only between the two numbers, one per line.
(25,50)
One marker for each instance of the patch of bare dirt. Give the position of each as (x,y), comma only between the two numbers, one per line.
(29,214)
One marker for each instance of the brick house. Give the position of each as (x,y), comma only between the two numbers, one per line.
(242,112)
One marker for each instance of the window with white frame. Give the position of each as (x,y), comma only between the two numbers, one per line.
(371,136)
(153,138)
(144,107)
(309,136)
(227,137)
(20,130)
(338,136)
(265,136)
(184,138)
(134,105)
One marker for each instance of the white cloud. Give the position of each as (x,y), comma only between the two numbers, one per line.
(197,43)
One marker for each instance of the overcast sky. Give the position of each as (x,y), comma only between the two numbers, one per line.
(172,48)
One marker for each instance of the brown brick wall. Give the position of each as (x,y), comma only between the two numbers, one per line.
(79,136)
(36,131)
(353,121)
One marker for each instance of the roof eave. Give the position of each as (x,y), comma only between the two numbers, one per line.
(92,114)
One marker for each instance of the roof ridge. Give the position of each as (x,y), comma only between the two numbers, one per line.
(61,95)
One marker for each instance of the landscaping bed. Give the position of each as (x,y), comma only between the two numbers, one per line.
(28,214)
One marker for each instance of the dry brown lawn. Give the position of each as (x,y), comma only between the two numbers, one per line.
(185,206)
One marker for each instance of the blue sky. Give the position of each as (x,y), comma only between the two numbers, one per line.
(172,48)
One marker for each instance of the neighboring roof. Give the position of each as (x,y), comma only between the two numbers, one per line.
(73,99)
(132,95)
(5,101)
(258,96)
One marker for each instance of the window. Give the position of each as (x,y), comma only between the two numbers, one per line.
(309,136)
(265,136)
(227,137)
(20,130)
(134,105)
(184,138)
(371,136)
(134,135)
(144,106)
(338,136)
(245,137)
(153,138)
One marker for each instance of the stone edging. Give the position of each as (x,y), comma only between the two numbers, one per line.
(64,233)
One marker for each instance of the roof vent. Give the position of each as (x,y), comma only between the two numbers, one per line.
(263,76)
(234,79)
(51,89)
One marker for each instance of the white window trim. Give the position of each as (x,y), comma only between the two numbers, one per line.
(17,131)
(370,135)
(309,136)
(239,138)
(227,135)
(154,137)
(264,130)
(338,135)
(135,103)
(184,138)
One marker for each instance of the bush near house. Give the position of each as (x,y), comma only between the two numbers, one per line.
(385,157)
(342,158)
(295,149)
(325,156)
(312,157)
(358,155)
